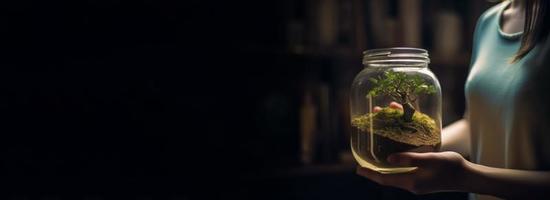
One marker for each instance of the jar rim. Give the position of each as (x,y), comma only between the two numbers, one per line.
(396,55)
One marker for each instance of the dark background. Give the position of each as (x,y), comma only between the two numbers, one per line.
(189,99)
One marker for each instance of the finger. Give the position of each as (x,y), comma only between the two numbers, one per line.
(410,159)
(396,105)
(377,109)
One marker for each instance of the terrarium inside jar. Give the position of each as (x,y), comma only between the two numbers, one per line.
(395,107)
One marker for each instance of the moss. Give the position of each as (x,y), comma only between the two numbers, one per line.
(422,130)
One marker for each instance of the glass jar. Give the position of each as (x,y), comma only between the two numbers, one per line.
(395,107)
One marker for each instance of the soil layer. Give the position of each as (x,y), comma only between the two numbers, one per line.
(388,123)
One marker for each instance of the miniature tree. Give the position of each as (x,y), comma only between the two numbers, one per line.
(401,88)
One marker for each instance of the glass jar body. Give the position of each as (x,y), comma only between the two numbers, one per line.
(395,107)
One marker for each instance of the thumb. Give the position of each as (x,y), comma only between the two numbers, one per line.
(409,159)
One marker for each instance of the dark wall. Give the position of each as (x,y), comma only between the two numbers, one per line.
(132,97)
(161,99)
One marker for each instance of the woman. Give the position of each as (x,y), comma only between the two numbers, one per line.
(504,131)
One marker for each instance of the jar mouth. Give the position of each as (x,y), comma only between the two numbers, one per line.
(396,56)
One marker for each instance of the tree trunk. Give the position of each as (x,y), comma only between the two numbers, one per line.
(408,111)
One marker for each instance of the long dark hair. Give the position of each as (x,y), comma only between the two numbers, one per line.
(537,26)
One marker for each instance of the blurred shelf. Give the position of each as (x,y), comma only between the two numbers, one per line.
(461,59)
(307,51)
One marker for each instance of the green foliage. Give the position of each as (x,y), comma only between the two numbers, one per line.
(401,87)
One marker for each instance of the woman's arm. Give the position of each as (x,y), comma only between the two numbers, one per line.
(456,137)
(507,183)
(449,171)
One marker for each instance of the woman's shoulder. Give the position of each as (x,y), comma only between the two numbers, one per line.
(492,13)
(484,23)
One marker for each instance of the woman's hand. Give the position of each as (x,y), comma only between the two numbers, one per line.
(442,171)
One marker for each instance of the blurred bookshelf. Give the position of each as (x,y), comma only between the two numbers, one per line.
(321,43)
